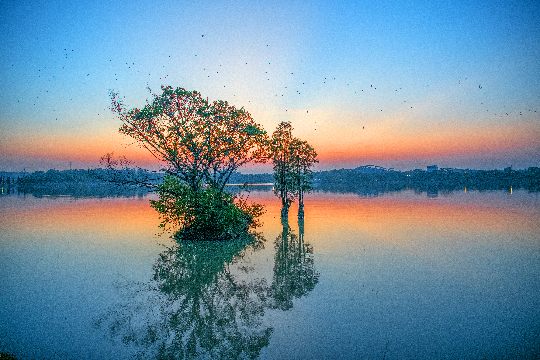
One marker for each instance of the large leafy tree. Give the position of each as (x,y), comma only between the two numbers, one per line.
(201,142)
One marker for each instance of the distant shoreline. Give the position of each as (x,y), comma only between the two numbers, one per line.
(85,183)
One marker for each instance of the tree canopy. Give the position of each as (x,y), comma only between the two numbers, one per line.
(201,142)
(303,157)
(293,159)
(280,149)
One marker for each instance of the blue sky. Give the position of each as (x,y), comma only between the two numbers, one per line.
(399,83)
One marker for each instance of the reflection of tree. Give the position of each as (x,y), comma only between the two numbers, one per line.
(203,303)
(200,309)
(294,273)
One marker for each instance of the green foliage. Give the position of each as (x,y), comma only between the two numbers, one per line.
(205,214)
(200,141)
(292,160)
(282,140)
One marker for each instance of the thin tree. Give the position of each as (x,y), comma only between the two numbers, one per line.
(303,158)
(280,152)
(293,159)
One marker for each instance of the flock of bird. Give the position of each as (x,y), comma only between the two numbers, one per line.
(66,53)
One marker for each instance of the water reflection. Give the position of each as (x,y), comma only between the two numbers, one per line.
(409,277)
(195,306)
(204,302)
(211,311)
(294,274)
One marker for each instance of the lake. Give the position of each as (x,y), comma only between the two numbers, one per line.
(402,275)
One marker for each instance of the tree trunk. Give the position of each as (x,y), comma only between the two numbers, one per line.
(285,215)
(300,210)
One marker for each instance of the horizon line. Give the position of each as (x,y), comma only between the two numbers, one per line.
(375,167)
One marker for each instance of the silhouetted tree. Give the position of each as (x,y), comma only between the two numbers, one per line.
(280,151)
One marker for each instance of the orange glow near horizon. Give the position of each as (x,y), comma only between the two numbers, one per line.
(110,217)
(386,144)
(88,148)
(386,141)
(405,223)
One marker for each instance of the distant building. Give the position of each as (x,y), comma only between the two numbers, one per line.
(370,169)
(432,168)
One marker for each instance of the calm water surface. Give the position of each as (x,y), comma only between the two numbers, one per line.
(398,276)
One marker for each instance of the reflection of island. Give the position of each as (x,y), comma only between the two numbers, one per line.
(195,306)
(210,311)
(203,303)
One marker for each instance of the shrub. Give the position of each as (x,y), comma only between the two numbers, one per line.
(205,213)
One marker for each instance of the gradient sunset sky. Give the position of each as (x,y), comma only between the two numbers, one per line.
(401,84)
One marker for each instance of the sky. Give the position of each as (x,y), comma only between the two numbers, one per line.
(399,84)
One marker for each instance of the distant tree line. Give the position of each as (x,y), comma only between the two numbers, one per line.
(7,181)
(239,178)
(82,183)
(89,182)
(443,179)
(345,180)
(7,184)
